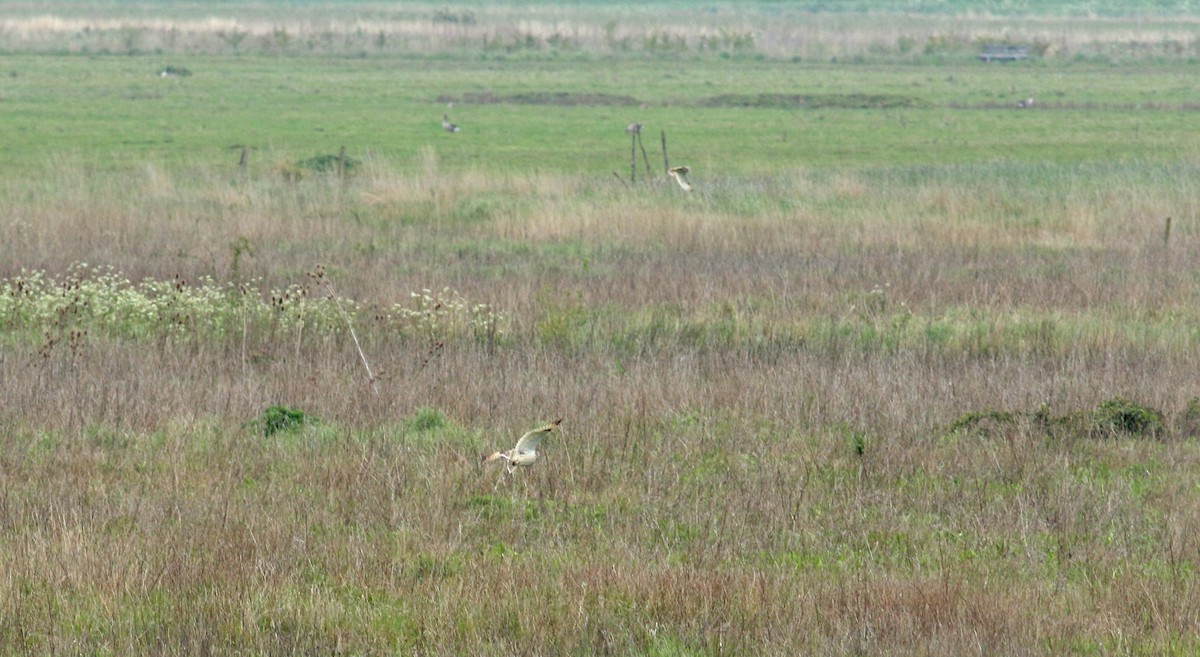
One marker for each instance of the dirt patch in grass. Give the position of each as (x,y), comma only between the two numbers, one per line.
(540,98)
(820,101)
(769,101)
(1081,106)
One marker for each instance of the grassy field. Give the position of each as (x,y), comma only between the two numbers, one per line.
(724,117)
(911,371)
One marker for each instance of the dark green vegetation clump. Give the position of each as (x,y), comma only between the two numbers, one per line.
(982,422)
(1122,417)
(427,419)
(1111,418)
(281,419)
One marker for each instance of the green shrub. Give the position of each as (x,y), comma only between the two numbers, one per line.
(1123,417)
(277,419)
(426,419)
(982,422)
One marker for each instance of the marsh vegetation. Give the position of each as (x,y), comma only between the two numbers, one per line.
(895,378)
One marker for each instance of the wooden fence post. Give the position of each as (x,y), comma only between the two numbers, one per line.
(632,157)
(666,162)
(645,158)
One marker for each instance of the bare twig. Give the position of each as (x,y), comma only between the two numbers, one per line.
(645,158)
(329,291)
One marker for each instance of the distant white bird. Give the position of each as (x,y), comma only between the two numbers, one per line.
(633,129)
(525,453)
(447,125)
(680,175)
(1025,104)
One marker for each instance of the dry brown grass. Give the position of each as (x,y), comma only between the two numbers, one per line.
(717,358)
(661,28)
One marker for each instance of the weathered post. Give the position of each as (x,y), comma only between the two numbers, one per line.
(666,162)
(633,158)
(645,158)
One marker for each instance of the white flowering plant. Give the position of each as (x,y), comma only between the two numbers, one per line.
(446,314)
(103,301)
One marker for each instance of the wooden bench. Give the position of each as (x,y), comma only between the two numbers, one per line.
(1003,53)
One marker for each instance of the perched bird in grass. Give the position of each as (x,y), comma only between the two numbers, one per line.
(525,453)
(680,175)
(447,125)
(633,129)
(1025,104)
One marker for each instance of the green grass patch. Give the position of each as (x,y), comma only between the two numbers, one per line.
(764,114)
(281,419)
